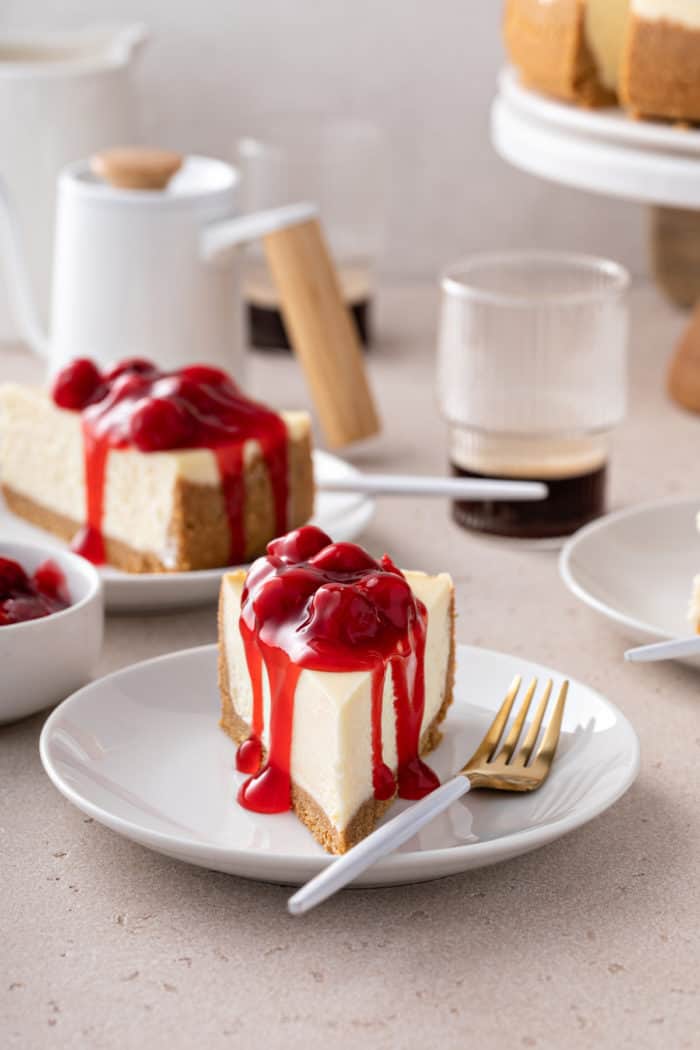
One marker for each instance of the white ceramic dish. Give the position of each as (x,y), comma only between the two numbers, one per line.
(141,751)
(41,661)
(635,568)
(342,515)
(565,152)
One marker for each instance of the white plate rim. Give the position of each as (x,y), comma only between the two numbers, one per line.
(601,525)
(517,842)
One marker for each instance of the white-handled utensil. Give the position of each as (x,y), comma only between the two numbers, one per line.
(676,649)
(506,769)
(453,488)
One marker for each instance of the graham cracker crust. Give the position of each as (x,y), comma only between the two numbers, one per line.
(548,46)
(308,811)
(198,531)
(661,70)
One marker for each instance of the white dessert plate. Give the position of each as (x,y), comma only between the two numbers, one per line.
(141,752)
(635,567)
(342,515)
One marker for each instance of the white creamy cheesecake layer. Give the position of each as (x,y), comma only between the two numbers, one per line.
(332,736)
(41,457)
(682,12)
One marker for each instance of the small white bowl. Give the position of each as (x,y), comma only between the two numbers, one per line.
(43,661)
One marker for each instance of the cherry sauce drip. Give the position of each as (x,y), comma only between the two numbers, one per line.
(311,603)
(134,405)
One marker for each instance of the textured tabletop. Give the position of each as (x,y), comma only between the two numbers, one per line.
(591,941)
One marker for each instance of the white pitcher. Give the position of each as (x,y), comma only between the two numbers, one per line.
(62,96)
(144,273)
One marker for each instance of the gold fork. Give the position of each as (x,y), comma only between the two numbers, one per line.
(503,769)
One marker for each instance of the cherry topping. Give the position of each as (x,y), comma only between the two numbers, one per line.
(340,613)
(158,424)
(76,384)
(13,578)
(132,366)
(343,557)
(392,595)
(202,374)
(299,545)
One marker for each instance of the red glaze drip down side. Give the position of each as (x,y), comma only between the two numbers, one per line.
(134,405)
(323,606)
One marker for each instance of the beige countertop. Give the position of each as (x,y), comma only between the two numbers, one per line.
(591,941)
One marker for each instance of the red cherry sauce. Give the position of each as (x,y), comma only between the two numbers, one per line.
(311,603)
(134,405)
(24,597)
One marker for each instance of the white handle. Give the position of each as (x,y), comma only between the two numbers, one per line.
(676,649)
(17,277)
(454,488)
(219,238)
(382,841)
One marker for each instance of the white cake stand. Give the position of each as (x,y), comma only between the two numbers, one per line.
(602,151)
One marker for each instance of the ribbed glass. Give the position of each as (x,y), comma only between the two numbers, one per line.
(532,361)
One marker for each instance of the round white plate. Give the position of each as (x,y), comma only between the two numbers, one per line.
(598,163)
(635,567)
(342,515)
(141,751)
(611,123)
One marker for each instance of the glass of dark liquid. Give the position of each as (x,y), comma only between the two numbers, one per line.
(532,381)
(340,165)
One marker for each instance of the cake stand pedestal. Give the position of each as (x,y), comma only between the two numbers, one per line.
(606,152)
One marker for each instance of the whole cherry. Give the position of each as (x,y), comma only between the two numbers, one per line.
(76,384)
(131,366)
(13,578)
(159,424)
(299,545)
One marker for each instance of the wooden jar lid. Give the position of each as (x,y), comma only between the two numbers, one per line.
(136,167)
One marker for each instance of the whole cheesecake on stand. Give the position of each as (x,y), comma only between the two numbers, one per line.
(642,53)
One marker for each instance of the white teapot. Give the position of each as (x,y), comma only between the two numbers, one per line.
(145,272)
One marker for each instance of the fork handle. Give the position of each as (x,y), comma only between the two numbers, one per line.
(382,841)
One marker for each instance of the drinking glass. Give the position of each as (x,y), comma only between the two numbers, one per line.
(532,382)
(340,165)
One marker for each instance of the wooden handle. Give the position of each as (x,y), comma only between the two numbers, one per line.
(322,332)
(136,167)
(684,373)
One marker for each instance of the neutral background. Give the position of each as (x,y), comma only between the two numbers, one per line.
(423,70)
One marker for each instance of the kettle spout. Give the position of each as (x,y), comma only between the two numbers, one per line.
(17,278)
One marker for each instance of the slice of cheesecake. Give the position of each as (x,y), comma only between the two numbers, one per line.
(549,43)
(335,673)
(660,74)
(213,493)
(592,52)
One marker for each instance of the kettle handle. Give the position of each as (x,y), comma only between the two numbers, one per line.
(321,330)
(17,278)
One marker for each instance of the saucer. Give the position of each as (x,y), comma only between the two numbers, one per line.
(342,515)
(635,567)
(141,752)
